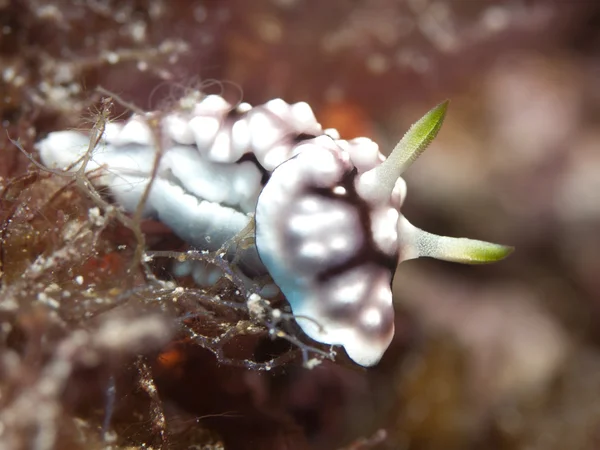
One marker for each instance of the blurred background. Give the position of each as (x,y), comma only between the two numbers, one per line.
(494,357)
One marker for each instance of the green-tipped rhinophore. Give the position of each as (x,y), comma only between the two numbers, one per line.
(417,243)
(377,184)
(413,241)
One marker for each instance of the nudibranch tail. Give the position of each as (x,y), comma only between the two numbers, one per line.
(417,243)
(378,183)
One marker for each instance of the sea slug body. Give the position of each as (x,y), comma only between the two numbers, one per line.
(328,223)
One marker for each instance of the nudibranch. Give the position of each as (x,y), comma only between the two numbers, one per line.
(327,212)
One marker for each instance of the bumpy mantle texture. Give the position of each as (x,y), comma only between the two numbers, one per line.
(327,212)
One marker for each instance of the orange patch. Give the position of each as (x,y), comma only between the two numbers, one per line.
(346,117)
(171,358)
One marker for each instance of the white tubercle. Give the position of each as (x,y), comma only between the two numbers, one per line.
(135,131)
(384,230)
(221,149)
(212,104)
(364,153)
(63,149)
(178,129)
(111,131)
(204,129)
(266,132)
(398,194)
(278,107)
(240,136)
(304,119)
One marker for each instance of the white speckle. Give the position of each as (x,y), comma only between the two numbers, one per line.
(142,66)
(95,217)
(339,243)
(496,18)
(134,334)
(79,280)
(339,190)
(313,250)
(255,305)
(8,74)
(352,291)
(138,31)
(43,298)
(378,63)
(244,107)
(112,57)
(49,12)
(371,317)
(52,287)
(312,363)
(110,436)
(168,284)
(309,205)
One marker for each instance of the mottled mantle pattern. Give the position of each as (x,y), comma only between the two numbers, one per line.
(328,226)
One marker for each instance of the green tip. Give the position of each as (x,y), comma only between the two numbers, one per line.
(470,251)
(418,137)
(421,133)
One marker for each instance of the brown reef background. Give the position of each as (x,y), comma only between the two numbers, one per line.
(100,349)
